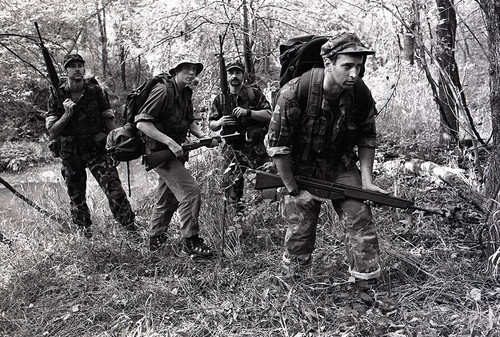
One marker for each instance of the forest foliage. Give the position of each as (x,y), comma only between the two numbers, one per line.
(434,281)
(124,42)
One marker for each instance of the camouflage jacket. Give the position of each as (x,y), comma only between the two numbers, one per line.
(250,97)
(87,122)
(320,136)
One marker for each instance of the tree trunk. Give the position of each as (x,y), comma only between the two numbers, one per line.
(249,67)
(450,177)
(104,38)
(123,68)
(409,37)
(491,9)
(448,76)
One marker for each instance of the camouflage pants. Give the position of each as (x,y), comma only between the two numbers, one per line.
(106,175)
(246,156)
(361,239)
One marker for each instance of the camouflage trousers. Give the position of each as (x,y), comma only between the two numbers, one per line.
(106,175)
(236,161)
(361,239)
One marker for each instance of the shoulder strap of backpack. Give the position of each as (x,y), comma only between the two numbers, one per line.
(250,93)
(168,82)
(310,91)
(310,95)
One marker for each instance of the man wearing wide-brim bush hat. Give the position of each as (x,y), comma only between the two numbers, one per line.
(165,119)
(186,62)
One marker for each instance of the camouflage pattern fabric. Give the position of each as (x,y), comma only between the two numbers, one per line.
(361,240)
(105,173)
(83,146)
(249,156)
(250,152)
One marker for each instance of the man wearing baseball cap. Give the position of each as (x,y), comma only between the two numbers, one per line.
(165,119)
(80,121)
(319,141)
(249,115)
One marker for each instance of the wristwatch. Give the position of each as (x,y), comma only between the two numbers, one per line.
(249,113)
(294,192)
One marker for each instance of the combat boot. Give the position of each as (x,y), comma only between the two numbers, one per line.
(296,265)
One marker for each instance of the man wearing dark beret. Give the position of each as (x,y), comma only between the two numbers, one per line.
(80,121)
(320,141)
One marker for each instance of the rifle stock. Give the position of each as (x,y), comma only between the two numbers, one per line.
(154,159)
(327,190)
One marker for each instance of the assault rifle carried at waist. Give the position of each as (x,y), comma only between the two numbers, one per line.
(332,191)
(154,159)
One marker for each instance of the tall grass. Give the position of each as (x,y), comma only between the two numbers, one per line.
(54,282)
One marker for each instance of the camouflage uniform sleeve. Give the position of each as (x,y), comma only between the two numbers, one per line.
(105,107)
(153,106)
(367,129)
(55,112)
(284,121)
(262,102)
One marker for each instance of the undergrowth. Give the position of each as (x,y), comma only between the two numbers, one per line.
(56,283)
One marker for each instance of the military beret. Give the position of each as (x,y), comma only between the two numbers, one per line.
(72,58)
(344,43)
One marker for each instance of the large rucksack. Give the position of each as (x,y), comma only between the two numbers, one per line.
(125,143)
(301,56)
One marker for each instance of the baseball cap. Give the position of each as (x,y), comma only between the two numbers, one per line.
(72,58)
(199,66)
(237,65)
(345,43)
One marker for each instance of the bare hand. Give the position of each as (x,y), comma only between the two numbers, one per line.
(306,200)
(214,143)
(240,112)
(374,188)
(68,105)
(176,149)
(227,120)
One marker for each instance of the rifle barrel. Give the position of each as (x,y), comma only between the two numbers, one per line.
(331,191)
(357,193)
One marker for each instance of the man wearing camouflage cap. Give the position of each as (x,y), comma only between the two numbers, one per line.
(250,117)
(319,141)
(80,121)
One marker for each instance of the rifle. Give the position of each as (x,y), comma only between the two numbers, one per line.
(54,144)
(332,191)
(51,70)
(153,159)
(227,101)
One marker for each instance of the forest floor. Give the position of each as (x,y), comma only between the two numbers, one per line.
(53,282)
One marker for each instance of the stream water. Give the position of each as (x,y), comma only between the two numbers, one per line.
(45,187)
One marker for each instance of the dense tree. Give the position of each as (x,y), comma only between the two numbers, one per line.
(491,9)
